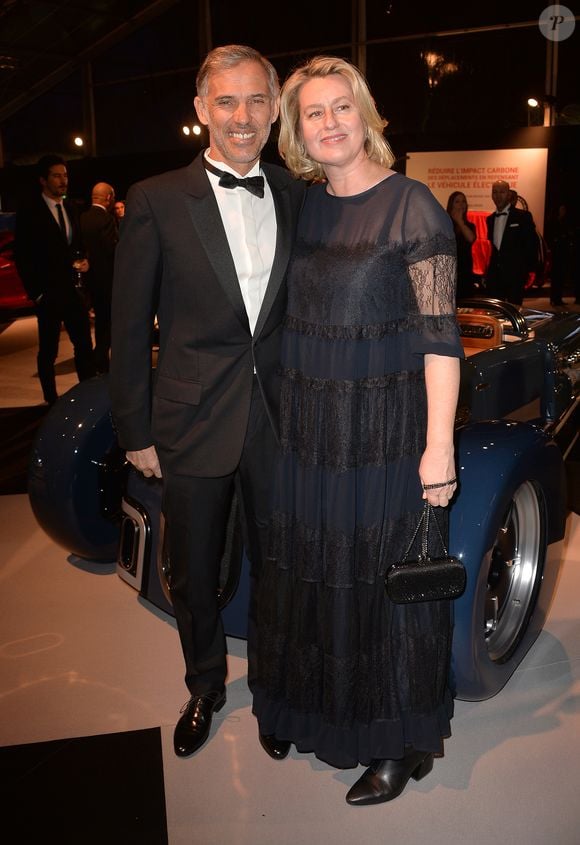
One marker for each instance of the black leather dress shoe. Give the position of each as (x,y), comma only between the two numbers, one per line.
(193,727)
(386,779)
(276,748)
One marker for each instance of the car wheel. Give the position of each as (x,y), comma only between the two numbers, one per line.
(515,568)
(506,525)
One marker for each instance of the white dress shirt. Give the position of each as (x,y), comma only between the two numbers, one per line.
(499,224)
(250,224)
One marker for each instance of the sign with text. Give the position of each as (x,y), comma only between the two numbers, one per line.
(474,171)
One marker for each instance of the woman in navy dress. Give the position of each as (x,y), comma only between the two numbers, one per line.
(370,380)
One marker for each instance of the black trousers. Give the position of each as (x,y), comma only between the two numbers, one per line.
(196,512)
(51,316)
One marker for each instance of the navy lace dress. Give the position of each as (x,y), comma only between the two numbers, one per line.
(344,673)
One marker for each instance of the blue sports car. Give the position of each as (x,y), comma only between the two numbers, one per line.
(518,450)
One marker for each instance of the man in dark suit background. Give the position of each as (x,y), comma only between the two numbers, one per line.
(47,241)
(208,254)
(100,236)
(514,247)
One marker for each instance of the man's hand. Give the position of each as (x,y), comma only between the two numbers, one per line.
(146,461)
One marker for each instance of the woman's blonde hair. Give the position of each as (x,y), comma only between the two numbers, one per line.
(290,143)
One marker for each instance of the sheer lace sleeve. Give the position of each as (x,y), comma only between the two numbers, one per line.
(431,255)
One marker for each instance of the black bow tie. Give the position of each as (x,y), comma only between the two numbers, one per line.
(253,184)
(500,213)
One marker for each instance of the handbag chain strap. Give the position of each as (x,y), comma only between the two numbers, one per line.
(424,521)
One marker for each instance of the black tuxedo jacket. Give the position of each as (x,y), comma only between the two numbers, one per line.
(43,256)
(100,236)
(173,260)
(519,247)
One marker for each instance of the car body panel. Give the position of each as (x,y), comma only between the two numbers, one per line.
(76,473)
(14,301)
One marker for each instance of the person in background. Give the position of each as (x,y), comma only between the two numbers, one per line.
(560,237)
(514,247)
(370,382)
(48,241)
(205,248)
(119,211)
(464,238)
(100,237)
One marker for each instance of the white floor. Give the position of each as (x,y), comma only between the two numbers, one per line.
(19,378)
(81,654)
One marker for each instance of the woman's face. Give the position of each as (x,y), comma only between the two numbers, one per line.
(459,205)
(330,121)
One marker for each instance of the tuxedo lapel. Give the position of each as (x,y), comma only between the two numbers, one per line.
(507,235)
(283,243)
(205,216)
(508,232)
(490,221)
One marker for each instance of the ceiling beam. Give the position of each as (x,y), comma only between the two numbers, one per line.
(150,12)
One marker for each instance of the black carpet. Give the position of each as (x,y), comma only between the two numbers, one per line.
(82,791)
(95,790)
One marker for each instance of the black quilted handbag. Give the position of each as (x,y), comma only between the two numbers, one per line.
(425,578)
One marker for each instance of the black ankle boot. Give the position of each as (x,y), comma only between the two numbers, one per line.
(386,779)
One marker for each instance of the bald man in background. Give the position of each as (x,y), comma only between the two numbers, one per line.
(514,247)
(100,235)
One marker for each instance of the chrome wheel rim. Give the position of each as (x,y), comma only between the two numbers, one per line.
(229,572)
(515,567)
(163,560)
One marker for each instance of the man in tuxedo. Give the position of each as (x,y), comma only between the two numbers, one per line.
(100,236)
(514,247)
(205,248)
(47,241)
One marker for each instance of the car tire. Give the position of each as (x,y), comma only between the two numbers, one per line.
(514,568)
(505,595)
(506,526)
